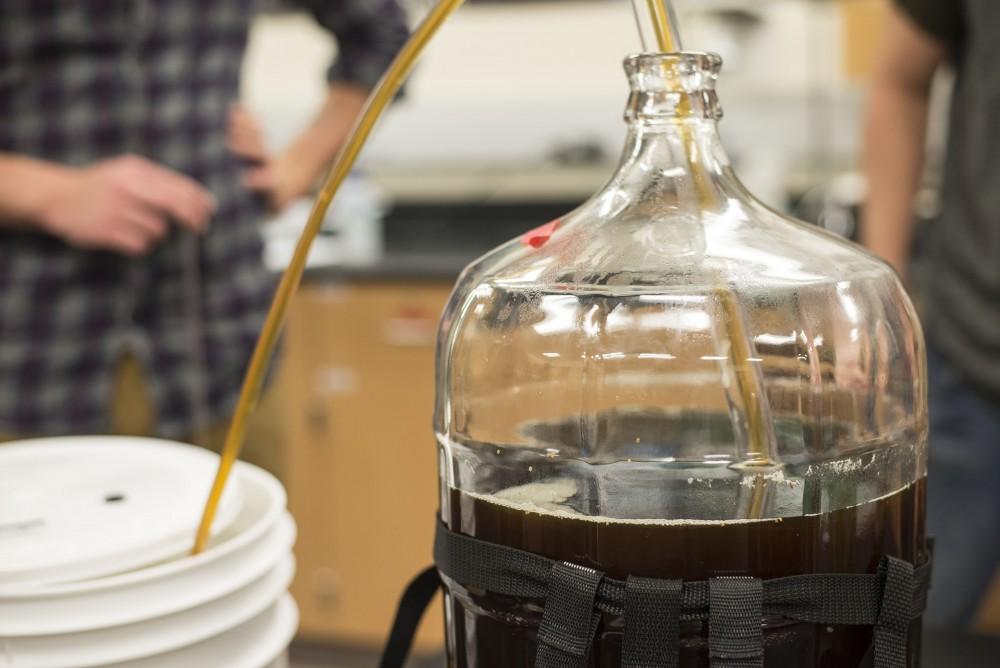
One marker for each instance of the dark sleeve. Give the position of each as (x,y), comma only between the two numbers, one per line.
(942,19)
(369,35)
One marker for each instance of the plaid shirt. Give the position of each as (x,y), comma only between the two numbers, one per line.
(90,79)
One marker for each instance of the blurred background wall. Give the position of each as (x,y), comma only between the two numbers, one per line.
(519,96)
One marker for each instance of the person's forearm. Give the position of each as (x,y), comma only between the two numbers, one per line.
(895,139)
(26,188)
(307,158)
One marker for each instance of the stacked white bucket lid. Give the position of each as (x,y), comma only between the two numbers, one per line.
(94,566)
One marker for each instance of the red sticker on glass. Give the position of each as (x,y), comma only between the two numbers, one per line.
(539,236)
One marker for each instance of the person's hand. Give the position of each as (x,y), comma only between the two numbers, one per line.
(281,178)
(124,204)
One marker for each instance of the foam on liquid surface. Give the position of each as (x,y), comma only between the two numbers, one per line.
(552,498)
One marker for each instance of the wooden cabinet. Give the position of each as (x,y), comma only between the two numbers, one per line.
(862,22)
(361,466)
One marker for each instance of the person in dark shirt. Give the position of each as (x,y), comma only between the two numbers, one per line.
(131,196)
(962,291)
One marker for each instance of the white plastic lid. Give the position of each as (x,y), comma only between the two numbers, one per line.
(84,507)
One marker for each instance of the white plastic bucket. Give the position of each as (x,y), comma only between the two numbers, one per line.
(225,607)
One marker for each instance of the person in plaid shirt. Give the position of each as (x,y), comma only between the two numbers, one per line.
(131,194)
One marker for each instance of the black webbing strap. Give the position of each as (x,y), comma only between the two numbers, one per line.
(489,566)
(895,614)
(570,618)
(888,600)
(735,612)
(652,623)
(416,598)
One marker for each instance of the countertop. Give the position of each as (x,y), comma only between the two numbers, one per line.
(443,267)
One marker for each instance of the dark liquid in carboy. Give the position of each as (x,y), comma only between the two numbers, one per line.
(487,630)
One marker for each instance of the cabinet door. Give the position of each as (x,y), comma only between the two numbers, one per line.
(362,464)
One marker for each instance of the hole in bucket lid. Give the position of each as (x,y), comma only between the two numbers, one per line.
(114,498)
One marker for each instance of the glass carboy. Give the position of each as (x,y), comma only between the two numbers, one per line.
(675,381)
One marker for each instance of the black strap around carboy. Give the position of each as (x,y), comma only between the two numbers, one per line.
(575,597)
(416,598)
